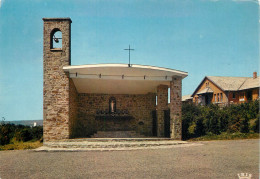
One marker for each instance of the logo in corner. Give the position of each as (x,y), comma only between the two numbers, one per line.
(244,176)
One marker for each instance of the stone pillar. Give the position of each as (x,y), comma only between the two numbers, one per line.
(162,104)
(56,82)
(175,108)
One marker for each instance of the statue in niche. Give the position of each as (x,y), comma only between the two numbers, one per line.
(112,105)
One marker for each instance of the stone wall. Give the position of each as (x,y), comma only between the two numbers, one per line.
(56,82)
(67,114)
(162,104)
(175,108)
(73,108)
(139,107)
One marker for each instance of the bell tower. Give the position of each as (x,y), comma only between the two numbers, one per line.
(56,83)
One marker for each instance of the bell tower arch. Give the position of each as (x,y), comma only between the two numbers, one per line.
(56,83)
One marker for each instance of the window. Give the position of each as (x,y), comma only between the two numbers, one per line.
(221,97)
(242,96)
(196,100)
(207,85)
(215,96)
(218,97)
(233,95)
(249,95)
(56,39)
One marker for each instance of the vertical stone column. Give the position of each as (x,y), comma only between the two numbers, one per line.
(175,108)
(56,82)
(162,104)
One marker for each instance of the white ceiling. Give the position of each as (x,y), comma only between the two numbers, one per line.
(120,79)
(104,86)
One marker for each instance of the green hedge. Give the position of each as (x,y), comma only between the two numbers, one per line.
(19,133)
(200,120)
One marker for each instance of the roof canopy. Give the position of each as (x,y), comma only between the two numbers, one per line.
(120,78)
(205,91)
(186,98)
(228,83)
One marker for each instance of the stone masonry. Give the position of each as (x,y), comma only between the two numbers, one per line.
(162,105)
(73,108)
(56,110)
(175,108)
(139,108)
(68,114)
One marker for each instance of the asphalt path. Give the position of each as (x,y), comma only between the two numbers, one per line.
(214,159)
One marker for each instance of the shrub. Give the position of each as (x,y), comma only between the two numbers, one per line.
(37,132)
(234,123)
(189,112)
(24,135)
(4,139)
(5,133)
(256,126)
(19,133)
(198,120)
(199,127)
(244,126)
(191,129)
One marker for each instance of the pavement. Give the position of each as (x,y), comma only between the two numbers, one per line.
(212,159)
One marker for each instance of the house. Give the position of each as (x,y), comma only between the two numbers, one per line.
(186,99)
(112,100)
(226,90)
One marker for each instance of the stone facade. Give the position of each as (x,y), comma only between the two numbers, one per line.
(175,108)
(69,114)
(56,84)
(162,105)
(138,118)
(73,108)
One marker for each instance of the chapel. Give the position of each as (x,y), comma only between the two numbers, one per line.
(105,100)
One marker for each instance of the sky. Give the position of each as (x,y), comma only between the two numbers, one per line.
(201,37)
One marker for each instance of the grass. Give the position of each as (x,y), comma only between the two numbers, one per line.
(226,136)
(15,145)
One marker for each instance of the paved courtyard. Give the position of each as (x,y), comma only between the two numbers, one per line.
(215,159)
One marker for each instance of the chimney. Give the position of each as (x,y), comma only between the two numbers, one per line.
(255,75)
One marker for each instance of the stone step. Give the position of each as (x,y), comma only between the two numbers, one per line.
(117,134)
(151,139)
(111,144)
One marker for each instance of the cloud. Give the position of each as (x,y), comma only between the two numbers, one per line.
(1,3)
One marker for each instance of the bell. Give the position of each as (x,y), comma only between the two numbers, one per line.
(56,40)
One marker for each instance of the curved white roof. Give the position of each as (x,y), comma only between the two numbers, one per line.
(120,78)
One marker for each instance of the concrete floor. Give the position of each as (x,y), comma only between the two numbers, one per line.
(214,159)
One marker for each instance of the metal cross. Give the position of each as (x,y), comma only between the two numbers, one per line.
(129,54)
